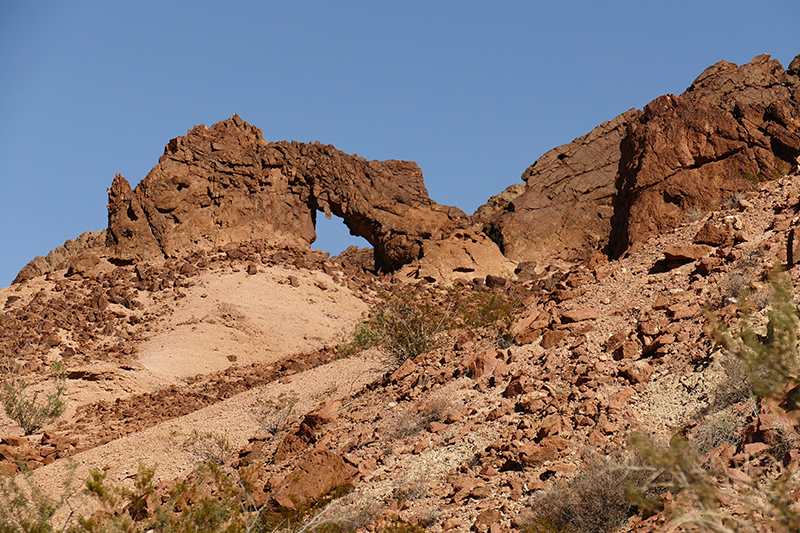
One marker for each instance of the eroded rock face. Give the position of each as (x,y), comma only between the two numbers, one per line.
(637,175)
(733,127)
(227,184)
(62,256)
(566,207)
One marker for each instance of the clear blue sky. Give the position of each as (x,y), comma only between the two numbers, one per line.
(472,91)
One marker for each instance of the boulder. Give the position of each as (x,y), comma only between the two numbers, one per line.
(462,254)
(315,476)
(686,253)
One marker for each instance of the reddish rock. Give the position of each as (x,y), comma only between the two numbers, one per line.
(227,184)
(566,205)
(714,234)
(312,479)
(553,338)
(488,362)
(694,150)
(685,253)
(639,174)
(406,369)
(579,315)
(15,441)
(636,371)
(519,385)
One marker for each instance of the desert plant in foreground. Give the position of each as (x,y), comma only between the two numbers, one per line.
(706,491)
(26,409)
(771,361)
(26,508)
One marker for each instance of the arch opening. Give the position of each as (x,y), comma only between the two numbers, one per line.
(333,236)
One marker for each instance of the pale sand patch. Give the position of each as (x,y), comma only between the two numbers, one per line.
(249,318)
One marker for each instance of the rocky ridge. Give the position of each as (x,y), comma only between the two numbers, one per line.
(644,172)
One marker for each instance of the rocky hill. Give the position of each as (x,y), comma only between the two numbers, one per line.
(565,315)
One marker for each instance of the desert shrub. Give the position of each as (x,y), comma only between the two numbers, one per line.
(721,428)
(702,492)
(495,309)
(781,168)
(409,325)
(595,500)
(26,409)
(365,335)
(770,361)
(732,200)
(408,322)
(208,447)
(273,414)
(26,508)
(693,214)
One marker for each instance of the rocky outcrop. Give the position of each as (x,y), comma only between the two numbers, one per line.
(463,255)
(227,184)
(62,256)
(731,129)
(566,207)
(638,175)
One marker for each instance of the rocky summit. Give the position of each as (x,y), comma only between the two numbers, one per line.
(643,172)
(610,345)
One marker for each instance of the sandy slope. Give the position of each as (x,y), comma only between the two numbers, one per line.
(162,445)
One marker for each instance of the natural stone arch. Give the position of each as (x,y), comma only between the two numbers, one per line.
(227,184)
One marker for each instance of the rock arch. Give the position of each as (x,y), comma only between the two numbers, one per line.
(226,184)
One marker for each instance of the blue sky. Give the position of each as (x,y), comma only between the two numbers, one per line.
(473,92)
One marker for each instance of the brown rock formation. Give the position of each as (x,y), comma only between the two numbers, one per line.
(733,126)
(567,204)
(62,256)
(227,184)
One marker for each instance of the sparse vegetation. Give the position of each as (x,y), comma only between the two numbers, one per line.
(771,360)
(410,326)
(406,323)
(26,508)
(273,414)
(25,408)
(693,214)
(705,491)
(594,500)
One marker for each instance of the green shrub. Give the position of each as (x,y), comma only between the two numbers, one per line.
(700,488)
(771,361)
(408,325)
(26,409)
(365,335)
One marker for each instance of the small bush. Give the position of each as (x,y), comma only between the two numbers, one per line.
(273,414)
(771,361)
(593,501)
(365,335)
(26,409)
(495,309)
(410,325)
